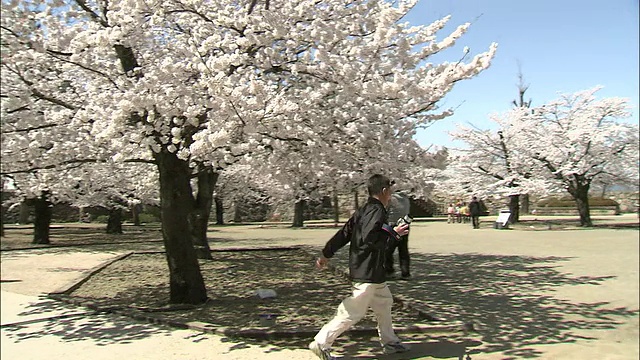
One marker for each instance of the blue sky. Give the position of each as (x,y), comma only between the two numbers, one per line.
(562,46)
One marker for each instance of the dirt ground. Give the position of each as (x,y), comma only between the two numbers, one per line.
(304,297)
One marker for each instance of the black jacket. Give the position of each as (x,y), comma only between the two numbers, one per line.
(474,208)
(369,234)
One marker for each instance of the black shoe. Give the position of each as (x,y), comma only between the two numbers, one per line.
(405,277)
(395,348)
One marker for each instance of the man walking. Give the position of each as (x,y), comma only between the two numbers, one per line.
(399,207)
(368,233)
(474,211)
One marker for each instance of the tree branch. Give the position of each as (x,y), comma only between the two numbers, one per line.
(73,162)
(83,5)
(490,173)
(30,129)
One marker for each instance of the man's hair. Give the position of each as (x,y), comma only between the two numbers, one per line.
(378,182)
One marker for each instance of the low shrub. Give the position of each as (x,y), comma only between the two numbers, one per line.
(568,202)
(102,219)
(148,218)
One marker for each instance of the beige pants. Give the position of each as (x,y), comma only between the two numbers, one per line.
(352,309)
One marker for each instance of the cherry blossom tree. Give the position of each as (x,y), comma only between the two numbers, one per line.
(521,202)
(490,161)
(490,164)
(242,183)
(50,157)
(197,86)
(112,186)
(564,145)
(344,159)
(41,146)
(579,138)
(115,186)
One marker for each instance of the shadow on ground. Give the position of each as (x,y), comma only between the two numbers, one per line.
(351,346)
(509,299)
(78,325)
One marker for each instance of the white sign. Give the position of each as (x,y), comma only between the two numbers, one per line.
(503,217)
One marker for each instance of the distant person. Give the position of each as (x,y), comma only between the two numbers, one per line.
(399,207)
(464,212)
(474,211)
(368,233)
(451,214)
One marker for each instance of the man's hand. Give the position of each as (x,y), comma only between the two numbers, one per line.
(402,230)
(322,263)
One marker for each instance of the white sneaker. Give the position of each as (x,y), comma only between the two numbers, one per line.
(321,353)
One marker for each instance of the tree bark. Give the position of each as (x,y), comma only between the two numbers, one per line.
(199,217)
(336,208)
(298,213)
(2,215)
(219,210)
(238,213)
(42,221)
(579,190)
(23,215)
(524,204)
(135,214)
(186,285)
(514,208)
(114,223)
(604,191)
(356,203)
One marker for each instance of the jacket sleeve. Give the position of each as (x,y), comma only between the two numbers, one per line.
(340,239)
(375,231)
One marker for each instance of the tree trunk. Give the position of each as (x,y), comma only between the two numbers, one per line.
(298,213)
(238,213)
(514,208)
(23,215)
(83,216)
(114,223)
(135,214)
(356,203)
(42,221)
(336,208)
(186,285)
(2,215)
(524,204)
(579,190)
(219,210)
(199,217)
(604,191)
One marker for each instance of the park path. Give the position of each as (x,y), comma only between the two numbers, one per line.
(585,284)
